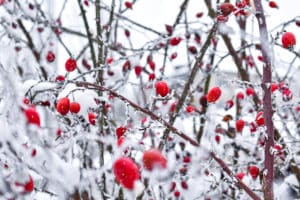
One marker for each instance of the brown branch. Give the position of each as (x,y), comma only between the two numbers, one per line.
(268,177)
(89,35)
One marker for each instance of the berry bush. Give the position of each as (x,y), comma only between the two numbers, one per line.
(140,99)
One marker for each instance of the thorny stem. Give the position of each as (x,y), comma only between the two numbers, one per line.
(268,178)
(188,83)
(173,129)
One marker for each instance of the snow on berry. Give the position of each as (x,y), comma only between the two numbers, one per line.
(153,158)
(120,131)
(27,186)
(175,41)
(126,172)
(92,118)
(259,119)
(226,8)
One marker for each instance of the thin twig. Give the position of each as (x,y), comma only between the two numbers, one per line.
(188,83)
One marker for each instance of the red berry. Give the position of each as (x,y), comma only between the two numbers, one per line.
(162,88)
(278,149)
(128,5)
(287,94)
(184,185)
(58,132)
(33,152)
(249,91)
(153,158)
(126,172)
(173,56)
(109,60)
(127,33)
(138,70)
(253,171)
(259,119)
(2,2)
(173,107)
(152,65)
(187,159)
(240,175)
(169,29)
(173,186)
(50,56)
(297,21)
(74,107)
(239,125)
(176,193)
(63,105)
(190,109)
(86,2)
(288,40)
(226,8)
(70,65)
(26,101)
(260,58)
(86,64)
(218,138)
(27,186)
(126,66)
(273,4)
(120,131)
(175,41)
(192,49)
(32,116)
(229,104)
(250,61)
(92,118)
(240,96)
(274,87)
(197,38)
(213,94)
(151,77)
(199,14)
(60,78)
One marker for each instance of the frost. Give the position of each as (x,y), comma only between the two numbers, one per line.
(225,29)
(265,172)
